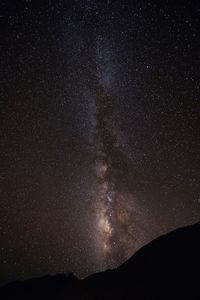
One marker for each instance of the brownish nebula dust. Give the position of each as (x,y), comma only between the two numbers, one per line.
(116,214)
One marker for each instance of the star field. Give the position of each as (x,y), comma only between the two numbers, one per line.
(100,132)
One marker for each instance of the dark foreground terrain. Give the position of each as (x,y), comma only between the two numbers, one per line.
(167,268)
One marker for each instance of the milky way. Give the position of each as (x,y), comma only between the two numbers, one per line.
(114,210)
(119,219)
(108,210)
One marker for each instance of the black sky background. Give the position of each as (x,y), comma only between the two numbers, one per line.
(56,59)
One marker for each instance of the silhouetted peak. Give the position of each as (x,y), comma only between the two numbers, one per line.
(166,268)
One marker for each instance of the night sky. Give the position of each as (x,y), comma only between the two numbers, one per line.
(99,130)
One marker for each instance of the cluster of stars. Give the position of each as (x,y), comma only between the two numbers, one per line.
(99,130)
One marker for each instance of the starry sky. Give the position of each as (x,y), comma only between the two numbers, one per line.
(99,130)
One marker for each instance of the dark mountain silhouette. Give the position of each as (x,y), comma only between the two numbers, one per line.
(166,268)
